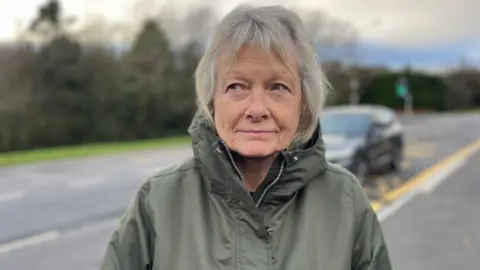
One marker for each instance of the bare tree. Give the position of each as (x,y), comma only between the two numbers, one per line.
(192,25)
(337,41)
(49,23)
(99,31)
(50,13)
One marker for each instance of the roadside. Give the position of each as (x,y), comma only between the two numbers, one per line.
(87,150)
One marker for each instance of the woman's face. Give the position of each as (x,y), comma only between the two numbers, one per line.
(257,102)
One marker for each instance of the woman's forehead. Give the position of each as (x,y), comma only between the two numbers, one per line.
(235,62)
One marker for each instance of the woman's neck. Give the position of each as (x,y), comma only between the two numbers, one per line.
(254,170)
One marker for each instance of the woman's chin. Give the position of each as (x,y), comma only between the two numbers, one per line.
(256,149)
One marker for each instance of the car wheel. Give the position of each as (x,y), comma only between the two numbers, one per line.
(396,163)
(361,171)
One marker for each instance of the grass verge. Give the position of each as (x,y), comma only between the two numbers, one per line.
(55,153)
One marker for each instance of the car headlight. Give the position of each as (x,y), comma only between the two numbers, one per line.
(343,157)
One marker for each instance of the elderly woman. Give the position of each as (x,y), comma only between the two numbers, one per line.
(258,192)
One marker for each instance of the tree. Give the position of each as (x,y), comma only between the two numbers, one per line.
(18,80)
(148,69)
(463,88)
(49,13)
(428,90)
(49,23)
(63,97)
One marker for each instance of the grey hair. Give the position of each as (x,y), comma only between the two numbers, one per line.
(272,27)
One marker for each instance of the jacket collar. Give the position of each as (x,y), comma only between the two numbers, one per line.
(297,168)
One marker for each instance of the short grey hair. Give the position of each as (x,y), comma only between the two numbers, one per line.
(271,27)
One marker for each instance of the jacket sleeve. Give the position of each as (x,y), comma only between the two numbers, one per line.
(130,246)
(369,250)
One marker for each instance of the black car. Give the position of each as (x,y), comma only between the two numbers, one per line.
(364,139)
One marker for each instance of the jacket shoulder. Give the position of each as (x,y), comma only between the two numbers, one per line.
(349,185)
(340,175)
(169,175)
(172,171)
(339,183)
(173,182)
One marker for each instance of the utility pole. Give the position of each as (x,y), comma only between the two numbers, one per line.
(354,87)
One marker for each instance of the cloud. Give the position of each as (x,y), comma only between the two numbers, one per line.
(427,32)
(406,23)
(400,23)
(447,56)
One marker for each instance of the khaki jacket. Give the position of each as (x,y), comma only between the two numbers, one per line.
(197,215)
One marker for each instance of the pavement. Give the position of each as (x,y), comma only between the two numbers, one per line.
(439,229)
(60,214)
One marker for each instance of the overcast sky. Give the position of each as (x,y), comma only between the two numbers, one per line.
(427,27)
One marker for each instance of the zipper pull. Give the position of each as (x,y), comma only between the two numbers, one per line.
(267,233)
(269,230)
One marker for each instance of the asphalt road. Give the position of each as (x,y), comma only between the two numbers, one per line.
(60,215)
(66,194)
(439,230)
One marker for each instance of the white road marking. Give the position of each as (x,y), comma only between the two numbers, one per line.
(427,187)
(87,182)
(11,196)
(93,228)
(442,175)
(49,236)
(389,210)
(29,241)
(45,181)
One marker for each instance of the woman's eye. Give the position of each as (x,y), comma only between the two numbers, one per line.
(234,87)
(279,86)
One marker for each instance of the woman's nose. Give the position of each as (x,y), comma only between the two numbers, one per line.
(257,107)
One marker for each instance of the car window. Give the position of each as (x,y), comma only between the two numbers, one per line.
(346,124)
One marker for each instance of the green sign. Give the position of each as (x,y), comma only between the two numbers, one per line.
(401,88)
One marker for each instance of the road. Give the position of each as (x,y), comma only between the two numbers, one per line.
(60,215)
(441,229)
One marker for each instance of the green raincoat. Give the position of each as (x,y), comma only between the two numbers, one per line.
(308,214)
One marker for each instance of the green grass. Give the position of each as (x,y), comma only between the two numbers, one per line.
(468,110)
(55,153)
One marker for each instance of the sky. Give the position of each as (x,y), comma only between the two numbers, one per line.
(431,34)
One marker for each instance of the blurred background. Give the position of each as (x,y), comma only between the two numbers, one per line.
(95,95)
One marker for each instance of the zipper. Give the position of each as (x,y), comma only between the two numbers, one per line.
(233,162)
(271,185)
(241,176)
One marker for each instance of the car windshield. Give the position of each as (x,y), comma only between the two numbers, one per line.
(346,124)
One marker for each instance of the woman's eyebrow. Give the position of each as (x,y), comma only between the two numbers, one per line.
(284,75)
(233,74)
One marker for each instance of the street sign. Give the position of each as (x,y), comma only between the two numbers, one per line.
(402,87)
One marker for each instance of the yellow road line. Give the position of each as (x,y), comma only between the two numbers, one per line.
(376,205)
(426,174)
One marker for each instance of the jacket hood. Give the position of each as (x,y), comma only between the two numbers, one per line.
(300,166)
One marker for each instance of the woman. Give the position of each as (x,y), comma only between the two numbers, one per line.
(258,192)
